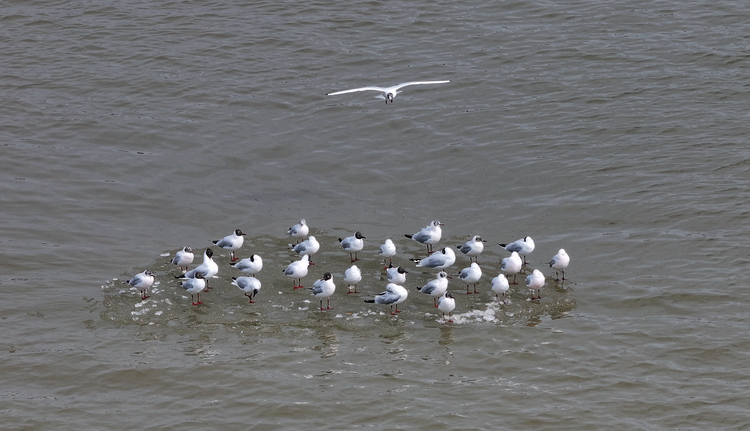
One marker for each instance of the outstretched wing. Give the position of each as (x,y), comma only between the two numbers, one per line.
(357,89)
(406,84)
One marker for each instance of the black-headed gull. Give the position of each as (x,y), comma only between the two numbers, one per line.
(559,262)
(396,275)
(310,246)
(249,285)
(387,93)
(387,250)
(142,281)
(446,304)
(500,286)
(428,235)
(251,265)
(534,282)
(207,269)
(523,246)
(324,288)
(231,242)
(194,286)
(352,276)
(473,247)
(353,244)
(511,265)
(438,260)
(298,231)
(297,270)
(437,287)
(394,294)
(183,258)
(471,275)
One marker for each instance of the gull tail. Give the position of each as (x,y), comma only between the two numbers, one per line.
(216,241)
(408,236)
(502,245)
(370,301)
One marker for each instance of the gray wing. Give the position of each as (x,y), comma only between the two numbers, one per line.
(421,236)
(223,243)
(428,289)
(465,248)
(406,84)
(317,289)
(138,279)
(299,248)
(357,89)
(513,247)
(386,298)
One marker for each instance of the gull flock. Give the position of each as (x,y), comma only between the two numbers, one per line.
(196,281)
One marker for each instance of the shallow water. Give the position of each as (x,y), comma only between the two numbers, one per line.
(615,131)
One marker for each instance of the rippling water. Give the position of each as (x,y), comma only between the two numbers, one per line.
(615,131)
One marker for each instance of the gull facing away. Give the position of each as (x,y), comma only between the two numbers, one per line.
(387,250)
(352,276)
(500,286)
(387,93)
(535,282)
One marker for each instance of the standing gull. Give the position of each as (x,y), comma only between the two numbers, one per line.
(438,260)
(300,230)
(231,242)
(353,244)
(387,93)
(428,235)
(142,281)
(297,270)
(523,246)
(324,288)
(511,265)
(194,286)
(473,247)
(251,265)
(393,295)
(447,303)
(437,287)
(183,258)
(207,269)
(352,276)
(249,285)
(471,275)
(309,247)
(500,286)
(387,250)
(535,282)
(559,262)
